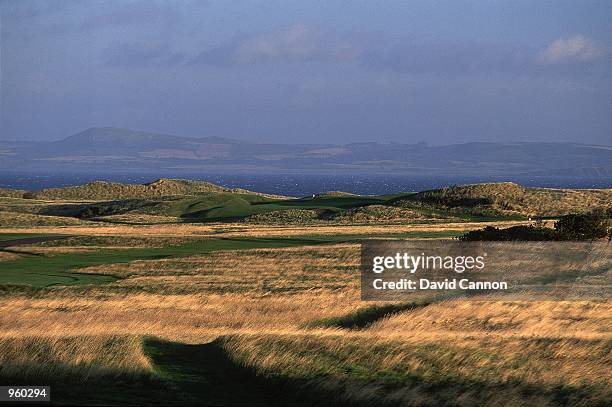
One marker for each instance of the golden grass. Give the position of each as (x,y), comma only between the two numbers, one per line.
(510,198)
(261,304)
(278,289)
(49,251)
(554,362)
(140,218)
(275,231)
(16,219)
(87,357)
(520,319)
(241,230)
(194,295)
(6,256)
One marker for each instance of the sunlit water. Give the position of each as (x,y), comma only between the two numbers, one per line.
(295,184)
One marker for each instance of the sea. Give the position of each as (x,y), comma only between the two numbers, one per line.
(296,184)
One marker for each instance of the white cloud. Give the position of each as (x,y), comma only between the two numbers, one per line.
(570,50)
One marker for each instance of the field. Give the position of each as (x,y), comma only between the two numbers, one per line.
(195,311)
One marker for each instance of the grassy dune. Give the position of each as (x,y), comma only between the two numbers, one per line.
(112,190)
(510,198)
(167,200)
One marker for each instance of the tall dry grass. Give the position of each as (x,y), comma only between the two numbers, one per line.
(244,230)
(32,359)
(261,304)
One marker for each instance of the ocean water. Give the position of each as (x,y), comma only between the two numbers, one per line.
(295,184)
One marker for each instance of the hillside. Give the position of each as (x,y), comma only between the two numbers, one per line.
(100,148)
(99,190)
(178,201)
(509,198)
(11,193)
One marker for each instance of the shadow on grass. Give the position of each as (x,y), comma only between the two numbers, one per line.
(22,252)
(205,375)
(366,316)
(31,240)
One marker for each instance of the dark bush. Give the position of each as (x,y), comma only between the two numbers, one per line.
(90,212)
(515,233)
(588,226)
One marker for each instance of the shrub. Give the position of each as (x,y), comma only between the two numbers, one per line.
(515,233)
(587,226)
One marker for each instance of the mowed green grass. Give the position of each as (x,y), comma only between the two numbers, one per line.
(226,206)
(43,271)
(61,269)
(234,206)
(218,206)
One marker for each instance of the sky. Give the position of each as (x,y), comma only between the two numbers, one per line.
(330,71)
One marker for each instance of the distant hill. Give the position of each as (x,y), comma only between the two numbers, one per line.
(115,138)
(509,198)
(103,149)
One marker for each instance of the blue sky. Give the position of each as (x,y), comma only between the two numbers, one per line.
(308,71)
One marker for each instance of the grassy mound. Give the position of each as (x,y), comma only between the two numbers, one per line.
(101,190)
(196,201)
(377,214)
(331,194)
(289,216)
(509,198)
(11,193)
(211,206)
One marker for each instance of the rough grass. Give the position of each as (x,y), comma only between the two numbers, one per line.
(16,219)
(484,372)
(377,214)
(169,200)
(11,193)
(509,198)
(45,358)
(289,318)
(61,268)
(287,217)
(100,190)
